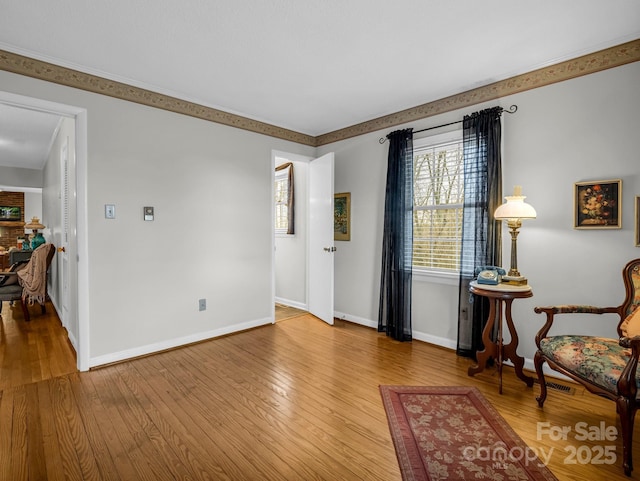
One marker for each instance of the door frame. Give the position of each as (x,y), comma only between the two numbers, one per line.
(303,159)
(79,259)
(290,157)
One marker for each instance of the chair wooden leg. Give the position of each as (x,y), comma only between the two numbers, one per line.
(25,310)
(627,413)
(538,361)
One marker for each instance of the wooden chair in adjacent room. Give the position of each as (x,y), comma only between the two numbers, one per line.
(27,282)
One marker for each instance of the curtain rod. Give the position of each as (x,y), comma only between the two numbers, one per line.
(511,110)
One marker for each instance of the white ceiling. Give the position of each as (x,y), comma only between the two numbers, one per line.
(312,66)
(26,137)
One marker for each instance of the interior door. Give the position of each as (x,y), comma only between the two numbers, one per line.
(321,245)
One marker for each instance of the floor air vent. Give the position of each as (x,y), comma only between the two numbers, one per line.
(558,387)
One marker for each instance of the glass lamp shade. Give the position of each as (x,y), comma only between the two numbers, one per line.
(515,208)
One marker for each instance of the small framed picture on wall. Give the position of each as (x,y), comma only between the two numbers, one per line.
(342,216)
(597,204)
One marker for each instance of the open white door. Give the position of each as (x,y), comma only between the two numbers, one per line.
(63,248)
(321,245)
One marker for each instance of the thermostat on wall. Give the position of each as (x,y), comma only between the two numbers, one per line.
(148,213)
(109,211)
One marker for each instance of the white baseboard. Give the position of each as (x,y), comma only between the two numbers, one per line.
(355,319)
(438,341)
(449,344)
(70,335)
(296,304)
(172,343)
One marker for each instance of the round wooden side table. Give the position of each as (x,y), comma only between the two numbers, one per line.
(501,297)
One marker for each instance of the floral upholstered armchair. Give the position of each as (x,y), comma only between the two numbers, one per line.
(604,366)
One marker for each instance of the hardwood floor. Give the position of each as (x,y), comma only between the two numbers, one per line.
(297,400)
(32,351)
(283,312)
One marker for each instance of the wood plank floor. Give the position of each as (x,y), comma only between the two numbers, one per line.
(32,351)
(283,312)
(297,400)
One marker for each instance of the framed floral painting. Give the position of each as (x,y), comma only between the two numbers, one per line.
(597,204)
(342,217)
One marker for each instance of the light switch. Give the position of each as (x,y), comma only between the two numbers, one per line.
(109,211)
(148,213)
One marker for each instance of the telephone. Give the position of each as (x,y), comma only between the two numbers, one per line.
(491,275)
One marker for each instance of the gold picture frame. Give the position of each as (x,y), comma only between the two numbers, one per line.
(597,204)
(342,216)
(637,217)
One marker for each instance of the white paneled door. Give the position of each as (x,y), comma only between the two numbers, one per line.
(321,245)
(63,248)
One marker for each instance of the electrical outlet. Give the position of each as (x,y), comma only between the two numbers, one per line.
(202,304)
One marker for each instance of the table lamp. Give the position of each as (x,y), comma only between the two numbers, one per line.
(513,211)
(37,239)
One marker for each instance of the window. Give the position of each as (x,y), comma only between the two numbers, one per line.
(437,203)
(284,195)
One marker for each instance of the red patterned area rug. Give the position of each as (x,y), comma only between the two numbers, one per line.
(455,433)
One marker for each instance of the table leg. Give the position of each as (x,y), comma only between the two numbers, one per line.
(500,341)
(490,348)
(511,348)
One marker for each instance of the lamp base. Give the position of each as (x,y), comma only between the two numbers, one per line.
(515,280)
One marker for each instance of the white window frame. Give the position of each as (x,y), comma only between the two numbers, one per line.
(280,175)
(439,276)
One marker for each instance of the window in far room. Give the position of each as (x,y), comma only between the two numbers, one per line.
(438,198)
(284,199)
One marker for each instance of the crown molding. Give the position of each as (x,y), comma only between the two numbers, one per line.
(625,53)
(587,64)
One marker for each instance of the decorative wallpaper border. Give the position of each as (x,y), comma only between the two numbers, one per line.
(604,59)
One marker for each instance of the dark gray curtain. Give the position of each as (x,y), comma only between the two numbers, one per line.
(291,214)
(394,316)
(481,234)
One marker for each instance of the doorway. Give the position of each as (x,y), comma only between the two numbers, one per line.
(75,318)
(293,261)
(290,250)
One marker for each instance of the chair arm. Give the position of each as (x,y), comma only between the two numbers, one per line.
(627,385)
(551,311)
(16,266)
(7,278)
(576,309)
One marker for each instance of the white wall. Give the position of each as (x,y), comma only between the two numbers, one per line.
(291,250)
(211,238)
(215,182)
(17,177)
(581,129)
(33,207)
